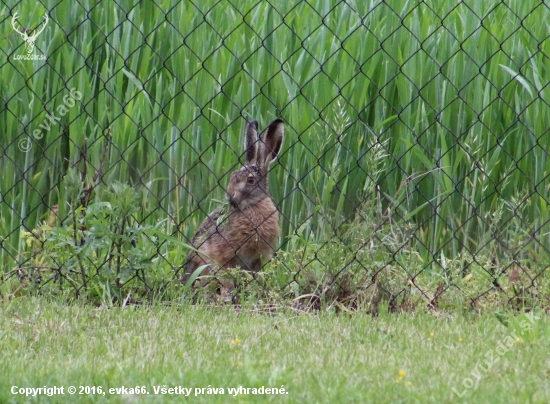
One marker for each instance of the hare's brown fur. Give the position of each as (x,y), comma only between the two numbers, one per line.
(245,232)
(240,239)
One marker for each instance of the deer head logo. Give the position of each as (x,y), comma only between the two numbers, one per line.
(29,39)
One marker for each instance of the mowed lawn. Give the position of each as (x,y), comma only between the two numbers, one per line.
(315,358)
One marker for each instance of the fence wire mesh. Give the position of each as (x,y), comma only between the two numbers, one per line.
(414,168)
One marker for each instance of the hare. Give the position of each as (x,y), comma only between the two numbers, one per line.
(244,232)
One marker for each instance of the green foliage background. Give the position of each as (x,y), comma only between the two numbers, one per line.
(435,111)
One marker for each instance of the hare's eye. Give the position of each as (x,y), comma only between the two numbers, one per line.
(250,179)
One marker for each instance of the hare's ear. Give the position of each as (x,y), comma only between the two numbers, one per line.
(272,140)
(251,142)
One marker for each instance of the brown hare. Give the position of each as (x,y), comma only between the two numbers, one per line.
(244,232)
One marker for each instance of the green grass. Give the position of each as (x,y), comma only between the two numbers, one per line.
(433,112)
(324,358)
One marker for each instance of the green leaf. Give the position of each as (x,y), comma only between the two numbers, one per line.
(503,318)
(194,276)
(519,78)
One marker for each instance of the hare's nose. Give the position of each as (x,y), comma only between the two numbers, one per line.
(231,198)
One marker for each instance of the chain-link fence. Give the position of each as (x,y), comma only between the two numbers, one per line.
(414,168)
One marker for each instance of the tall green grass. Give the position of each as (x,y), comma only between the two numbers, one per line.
(456,94)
